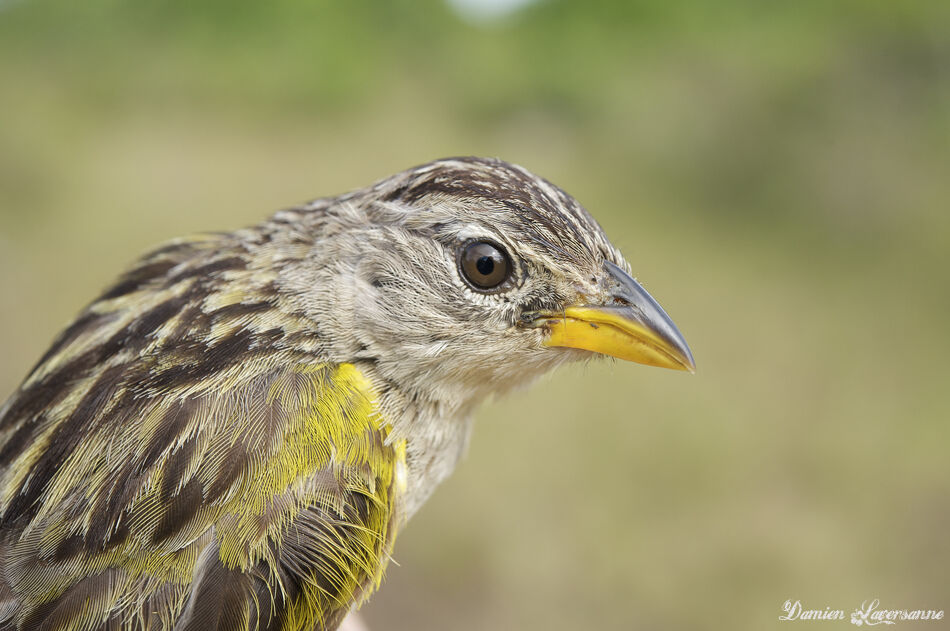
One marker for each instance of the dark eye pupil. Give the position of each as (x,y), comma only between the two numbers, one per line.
(484,266)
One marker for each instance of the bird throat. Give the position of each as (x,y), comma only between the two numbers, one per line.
(435,434)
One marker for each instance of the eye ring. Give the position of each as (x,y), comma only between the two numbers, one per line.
(485,266)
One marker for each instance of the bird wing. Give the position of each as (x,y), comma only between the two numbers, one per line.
(261,498)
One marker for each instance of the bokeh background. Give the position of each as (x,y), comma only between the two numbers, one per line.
(777,173)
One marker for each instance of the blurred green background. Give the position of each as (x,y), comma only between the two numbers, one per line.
(778,174)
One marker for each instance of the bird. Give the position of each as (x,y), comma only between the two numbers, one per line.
(230,436)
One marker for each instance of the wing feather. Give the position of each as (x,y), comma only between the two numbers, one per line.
(180,452)
(270,499)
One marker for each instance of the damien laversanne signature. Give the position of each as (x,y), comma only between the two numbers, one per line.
(870,613)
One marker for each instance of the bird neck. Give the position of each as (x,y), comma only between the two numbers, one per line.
(436,432)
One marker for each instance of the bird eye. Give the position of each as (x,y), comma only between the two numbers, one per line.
(485,266)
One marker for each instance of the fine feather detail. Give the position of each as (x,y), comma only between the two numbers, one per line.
(222,480)
(292,513)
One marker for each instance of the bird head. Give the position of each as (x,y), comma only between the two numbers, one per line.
(466,277)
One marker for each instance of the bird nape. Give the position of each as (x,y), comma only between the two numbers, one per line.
(230,436)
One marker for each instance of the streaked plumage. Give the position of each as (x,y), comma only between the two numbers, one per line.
(231,435)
